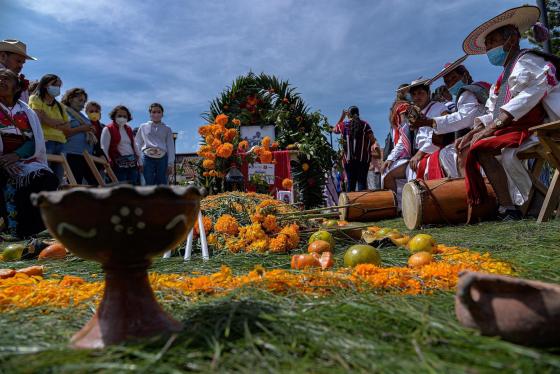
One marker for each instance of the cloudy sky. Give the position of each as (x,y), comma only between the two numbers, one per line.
(183,53)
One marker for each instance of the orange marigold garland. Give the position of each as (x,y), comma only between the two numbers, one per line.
(227,224)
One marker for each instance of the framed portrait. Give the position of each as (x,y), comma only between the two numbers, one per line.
(255,134)
(285,196)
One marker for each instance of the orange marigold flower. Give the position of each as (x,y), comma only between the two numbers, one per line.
(287,183)
(206,222)
(252,100)
(292,231)
(260,245)
(209,139)
(280,244)
(212,239)
(225,150)
(236,122)
(208,164)
(229,135)
(243,145)
(227,224)
(274,145)
(209,155)
(222,119)
(305,167)
(266,157)
(269,224)
(216,143)
(204,130)
(213,173)
(205,174)
(266,142)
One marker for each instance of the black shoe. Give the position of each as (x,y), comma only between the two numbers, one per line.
(510,215)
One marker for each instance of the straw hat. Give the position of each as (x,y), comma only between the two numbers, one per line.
(417,82)
(522,17)
(15,46)
(448,68)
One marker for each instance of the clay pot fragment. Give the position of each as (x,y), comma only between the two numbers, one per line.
(518,310)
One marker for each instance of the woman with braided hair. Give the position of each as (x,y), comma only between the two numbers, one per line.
(357,139)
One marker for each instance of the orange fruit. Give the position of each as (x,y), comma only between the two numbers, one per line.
(422,243)
(31,271)
(54,251)
(7,273)
(361,254)
(326,260)
(322,235)
(305,261)
(419,259)
(319,246)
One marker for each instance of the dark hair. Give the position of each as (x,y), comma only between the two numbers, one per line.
(424,87)
(44,82)
(33,87)
(401,94)
(18,84)
(72,93)
(353,110)
(462,70)
(93,103)
(507,31)
(155,105)
(113,114)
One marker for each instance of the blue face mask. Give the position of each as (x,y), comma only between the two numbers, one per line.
(408,97)
(497,56)
(454,90)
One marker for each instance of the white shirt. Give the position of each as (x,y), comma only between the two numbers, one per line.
(468,108)
(156,135)
(531,80)
(125,147)
(423,139)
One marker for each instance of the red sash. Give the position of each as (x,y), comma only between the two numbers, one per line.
(434,167)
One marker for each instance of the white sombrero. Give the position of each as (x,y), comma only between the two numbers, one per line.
(522,17)
(417,82)
(448,68)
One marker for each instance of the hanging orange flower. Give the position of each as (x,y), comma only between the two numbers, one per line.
(204,130)
(287,183)
(266,142)
(216,143)
(252,100)
(266,157)
(209,155)
(229,135)
(206,222)
(225,150)
(227,224)
(274,145)
(208,164)
(243,145)
(209,139)
(222,119)
(236,122)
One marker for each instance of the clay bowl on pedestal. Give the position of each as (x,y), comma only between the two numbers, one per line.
(122,227)
(518,310)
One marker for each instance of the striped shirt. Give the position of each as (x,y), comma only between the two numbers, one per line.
(357,141)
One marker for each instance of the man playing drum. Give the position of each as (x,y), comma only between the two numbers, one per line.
(524,95)
(470,98)
(415,142)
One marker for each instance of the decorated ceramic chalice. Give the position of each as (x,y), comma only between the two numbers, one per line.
(122,227)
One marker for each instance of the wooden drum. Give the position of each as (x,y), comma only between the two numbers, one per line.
(368,206)
(442,201)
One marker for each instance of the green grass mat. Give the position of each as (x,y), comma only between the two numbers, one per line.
(255,331)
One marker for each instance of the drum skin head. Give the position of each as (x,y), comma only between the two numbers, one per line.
(412,205)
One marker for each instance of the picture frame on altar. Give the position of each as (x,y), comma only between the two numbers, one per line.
(285,196)
(255,134)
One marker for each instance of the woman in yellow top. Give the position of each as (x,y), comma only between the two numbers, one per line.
(52,115)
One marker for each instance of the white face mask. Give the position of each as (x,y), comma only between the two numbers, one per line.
(54,91)
(121,121)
